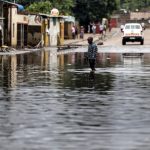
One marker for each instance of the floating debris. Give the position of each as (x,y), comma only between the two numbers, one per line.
(5,48)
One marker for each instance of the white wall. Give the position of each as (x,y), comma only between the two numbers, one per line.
(54,31)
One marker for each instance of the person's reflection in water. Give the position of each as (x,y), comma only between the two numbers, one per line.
(92,76)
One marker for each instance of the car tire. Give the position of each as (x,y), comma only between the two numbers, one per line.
(123,42)
(142,42)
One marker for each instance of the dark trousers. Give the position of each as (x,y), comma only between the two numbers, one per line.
(73,35)
(92,63)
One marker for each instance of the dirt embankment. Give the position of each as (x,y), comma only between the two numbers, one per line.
(98,38)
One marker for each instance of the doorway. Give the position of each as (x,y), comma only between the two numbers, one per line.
(22,35)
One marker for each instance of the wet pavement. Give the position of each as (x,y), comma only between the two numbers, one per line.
(50,101)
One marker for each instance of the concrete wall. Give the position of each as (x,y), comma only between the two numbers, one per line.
(139,15)
(16,19)
(54,31)
(1,32)
(34,30)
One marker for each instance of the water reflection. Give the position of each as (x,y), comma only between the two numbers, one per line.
(132,59)
(56,102)
(8,71)
(92,76)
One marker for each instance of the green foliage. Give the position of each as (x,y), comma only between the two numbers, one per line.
(93,10)
(42,7)
(134,4)
(64,6)
(84,10)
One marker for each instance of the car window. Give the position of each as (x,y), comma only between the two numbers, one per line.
(127,27)
(135,27)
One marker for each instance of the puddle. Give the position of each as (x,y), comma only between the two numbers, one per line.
(55,102)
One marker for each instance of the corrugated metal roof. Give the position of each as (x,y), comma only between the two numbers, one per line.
(8,2)
(20,7)
(69,19)
(49,16)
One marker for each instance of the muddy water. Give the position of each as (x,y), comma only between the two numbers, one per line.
(55,102)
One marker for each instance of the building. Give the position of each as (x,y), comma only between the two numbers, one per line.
(45,30)
(14,24)
(52,30)
(34,30)
(22,29)
(1,30)
(69,21)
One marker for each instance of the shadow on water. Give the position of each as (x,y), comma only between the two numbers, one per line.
(51,101)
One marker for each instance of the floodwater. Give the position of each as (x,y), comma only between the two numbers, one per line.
(54,102)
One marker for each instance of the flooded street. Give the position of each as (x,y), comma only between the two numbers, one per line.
(54,102)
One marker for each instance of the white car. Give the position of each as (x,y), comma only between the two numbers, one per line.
(132,32)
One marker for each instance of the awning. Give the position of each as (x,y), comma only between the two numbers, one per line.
(20,7)
(69,19)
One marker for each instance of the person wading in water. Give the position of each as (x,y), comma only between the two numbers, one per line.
(92,51)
